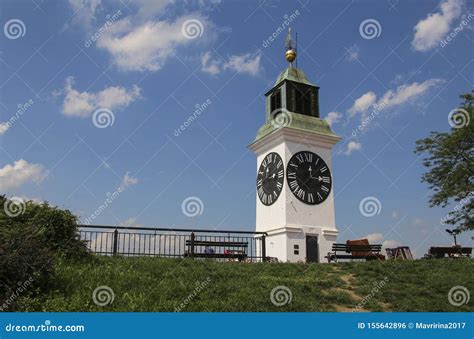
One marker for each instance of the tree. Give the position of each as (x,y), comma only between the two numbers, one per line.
(450,159)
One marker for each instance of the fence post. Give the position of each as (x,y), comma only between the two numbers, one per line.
(264,250)
(192,244)
(115,242)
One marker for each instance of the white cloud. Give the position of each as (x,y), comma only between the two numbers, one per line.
(4,126)
(374,238)
(21,172)
(378,238)
(362,104)
(406,93)
(210,66)
(131,222)
(85,11)
(390,244)
(149,8)
(128,181)
(429,31)
(352,146)
(333,118)
(83,104)
(246,63)
(402,94)
(147,46)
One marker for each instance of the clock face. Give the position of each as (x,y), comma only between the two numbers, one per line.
(270,178)
(309,177)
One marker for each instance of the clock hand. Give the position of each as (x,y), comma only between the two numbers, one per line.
(311,173)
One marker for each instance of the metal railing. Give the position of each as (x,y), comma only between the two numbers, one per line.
(173,243)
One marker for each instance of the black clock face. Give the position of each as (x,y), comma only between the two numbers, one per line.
(270,178)
(309,177)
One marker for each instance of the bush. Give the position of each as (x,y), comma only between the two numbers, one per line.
(32,237)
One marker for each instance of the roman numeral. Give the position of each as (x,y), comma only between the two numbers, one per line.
(292,175)
(269,157)
(280,163)
(301,194)
(300,158)
(308,157)
(293,185)
(323,169)
(326,179)
(280,174)
(310,197)
(279,185)
(260,192)
(324,189)
(319,196)
(292,164)
(259,182)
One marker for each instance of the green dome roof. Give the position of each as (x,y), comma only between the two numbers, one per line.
(293,74)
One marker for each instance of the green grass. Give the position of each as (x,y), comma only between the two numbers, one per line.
(158,284)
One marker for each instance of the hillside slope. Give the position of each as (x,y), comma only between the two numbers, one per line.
(158,284)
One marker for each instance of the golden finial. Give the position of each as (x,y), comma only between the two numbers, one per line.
(290,54)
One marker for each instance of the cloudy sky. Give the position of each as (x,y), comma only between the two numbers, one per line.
(94,96)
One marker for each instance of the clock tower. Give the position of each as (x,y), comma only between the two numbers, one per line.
(295,191)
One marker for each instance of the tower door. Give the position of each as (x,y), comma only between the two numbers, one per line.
(312,248)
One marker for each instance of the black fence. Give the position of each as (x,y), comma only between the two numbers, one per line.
(174,243)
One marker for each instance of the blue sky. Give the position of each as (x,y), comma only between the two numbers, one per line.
(151,65)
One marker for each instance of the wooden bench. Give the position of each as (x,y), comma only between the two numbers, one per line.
(228,254)
(452,252)
(367,252)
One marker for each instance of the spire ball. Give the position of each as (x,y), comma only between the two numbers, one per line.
(290,55)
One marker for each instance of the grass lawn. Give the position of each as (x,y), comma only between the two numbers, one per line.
(159,284)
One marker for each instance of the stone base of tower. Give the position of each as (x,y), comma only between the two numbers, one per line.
(300,243)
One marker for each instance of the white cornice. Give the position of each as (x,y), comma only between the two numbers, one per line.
(293,135)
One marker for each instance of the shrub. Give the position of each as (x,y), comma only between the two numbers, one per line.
(32,237)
